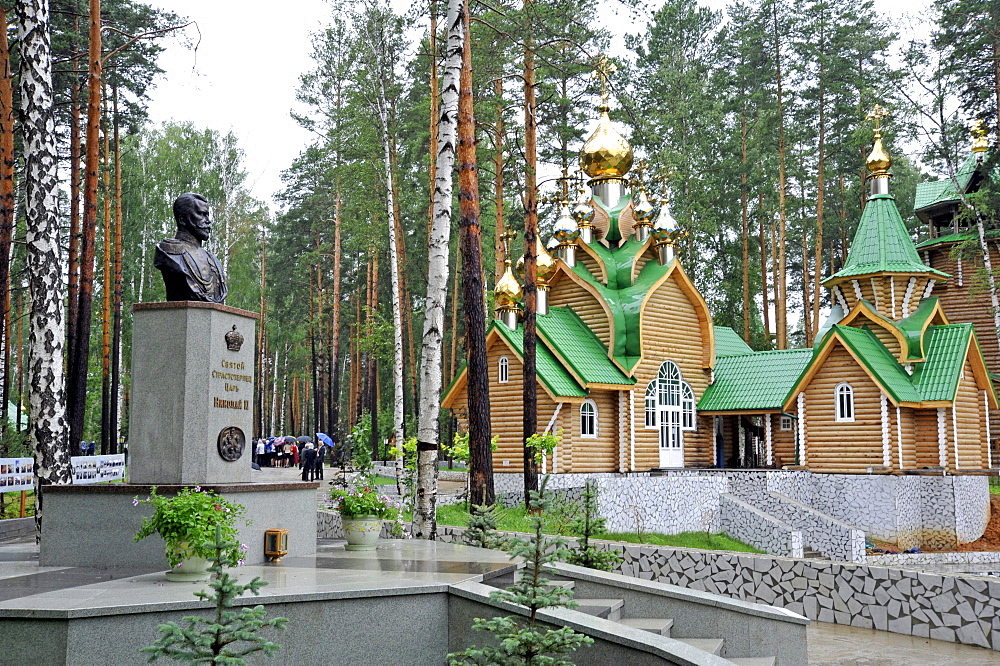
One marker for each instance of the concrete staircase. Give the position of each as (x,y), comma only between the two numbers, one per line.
(612,609)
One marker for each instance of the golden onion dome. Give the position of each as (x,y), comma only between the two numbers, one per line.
(665,229)
(508,290)
(606,153)
(583,213)
(878,160)
(642,210)
(552,245)
(545,265)
(979,142)
(566,229)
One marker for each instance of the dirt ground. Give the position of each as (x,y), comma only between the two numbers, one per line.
(991,537)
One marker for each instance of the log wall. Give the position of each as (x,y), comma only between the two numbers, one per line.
(842,447)
(566,293)
(970,417)
(782,442)
(670,330)
(925,423)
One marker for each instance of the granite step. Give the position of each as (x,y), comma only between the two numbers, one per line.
(609,609)
(754,661)
(709,645)
(658,626)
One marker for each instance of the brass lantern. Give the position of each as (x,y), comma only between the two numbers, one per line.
(276,544)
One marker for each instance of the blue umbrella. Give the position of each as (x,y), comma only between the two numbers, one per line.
(323,437)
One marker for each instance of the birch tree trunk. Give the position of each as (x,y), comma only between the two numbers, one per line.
(424,518)
(47,429)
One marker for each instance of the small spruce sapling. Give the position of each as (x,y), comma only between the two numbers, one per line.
(225,638)
(481,528)
(523,642)
(587,526)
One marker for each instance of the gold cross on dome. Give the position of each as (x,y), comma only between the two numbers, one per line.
(876,115)
(603,69)
(506,237)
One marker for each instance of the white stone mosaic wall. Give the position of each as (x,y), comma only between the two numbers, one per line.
(762,531)
(833,538)
(972,507)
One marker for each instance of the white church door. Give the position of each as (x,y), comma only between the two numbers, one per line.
(671,400)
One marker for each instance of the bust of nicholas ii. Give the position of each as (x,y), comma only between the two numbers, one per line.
(190,272)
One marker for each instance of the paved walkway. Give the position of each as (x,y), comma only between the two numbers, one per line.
(839,645)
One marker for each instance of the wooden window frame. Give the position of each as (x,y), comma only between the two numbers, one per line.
(593,418)
(503,370)
(843,391)
(783,421)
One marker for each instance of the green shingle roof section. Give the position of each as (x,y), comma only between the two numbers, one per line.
(937,377)
(754,381)
(940,191)
(913,326)
(579,348)
(550,372)
(882,244)
(960,237)
(886,369)
(729,343)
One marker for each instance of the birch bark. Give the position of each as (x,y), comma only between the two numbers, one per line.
(48,430)
(424,518)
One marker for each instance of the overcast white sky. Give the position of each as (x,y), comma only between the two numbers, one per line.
(245,72)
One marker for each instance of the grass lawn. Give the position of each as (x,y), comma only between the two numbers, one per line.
(384,481)
(994,485)
(558,522)
(12,505)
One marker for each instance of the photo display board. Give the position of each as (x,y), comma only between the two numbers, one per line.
(16,474)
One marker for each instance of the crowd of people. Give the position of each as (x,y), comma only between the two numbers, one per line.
(298,452)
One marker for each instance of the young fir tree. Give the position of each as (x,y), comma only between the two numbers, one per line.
(587,526)
(228,636)
(481,529)
(525,642)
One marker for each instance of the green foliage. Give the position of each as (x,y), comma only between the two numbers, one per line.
(361,456)
(523,642)
(481,528)
(363,500)
(543,444)
(187,522)
(459,449)
(227,637)
(588,525)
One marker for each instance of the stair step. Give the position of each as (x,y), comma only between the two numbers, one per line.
(659,626)
(609,609)
(710,645)
(566,584)
(754,661)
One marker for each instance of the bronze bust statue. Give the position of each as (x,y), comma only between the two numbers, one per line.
(190,272)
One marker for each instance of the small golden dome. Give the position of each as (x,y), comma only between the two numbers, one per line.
(642,210)
(666,229)
(565,229)
(508,290)
(878,160)
(606,153)
(979,142)
(545,265)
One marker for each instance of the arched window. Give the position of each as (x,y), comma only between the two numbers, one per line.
(687,407)
(844,402)
(651,405)
(503,367)
(588,419)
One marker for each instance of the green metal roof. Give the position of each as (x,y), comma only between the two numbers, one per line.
(578,347)
(754,381)
(550,372)
(912,327)
(882,244)
(729,343)
(879,362)
(937,377)
(960,237)
(940,191)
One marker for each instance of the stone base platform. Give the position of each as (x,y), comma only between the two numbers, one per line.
(94,526)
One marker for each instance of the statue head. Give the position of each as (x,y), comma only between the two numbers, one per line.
(192,215)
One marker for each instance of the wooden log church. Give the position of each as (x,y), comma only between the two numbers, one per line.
(635,375)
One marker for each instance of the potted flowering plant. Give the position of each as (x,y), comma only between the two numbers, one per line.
(187,522)
(363,510)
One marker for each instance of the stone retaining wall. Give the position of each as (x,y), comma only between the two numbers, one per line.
(831,537)
(16,528)
(752,526)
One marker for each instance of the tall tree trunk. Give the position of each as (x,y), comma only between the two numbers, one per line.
(428,434)
(116,330)
(780,276)
(480,449)
(820,196)
(335,329)
(763,269)
(47,416)
(262,342)
(80,358)
(75,157)
(106,289)
(529,392)
(498,263)
(6,207)
(745,222)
